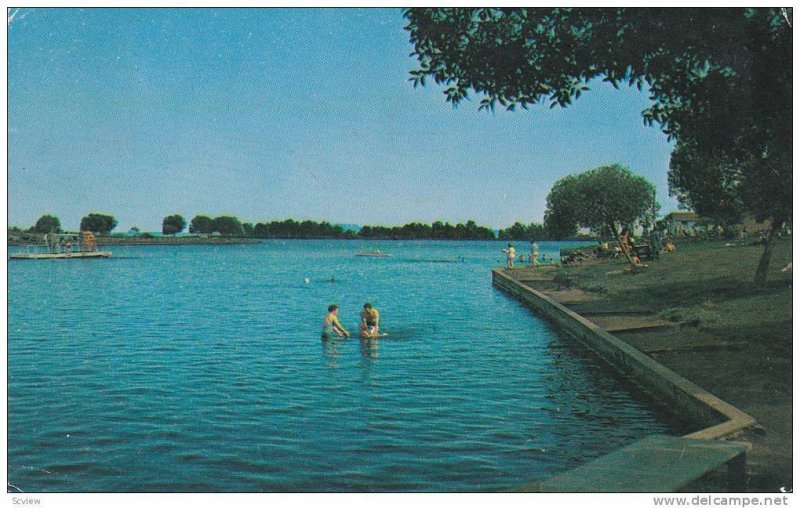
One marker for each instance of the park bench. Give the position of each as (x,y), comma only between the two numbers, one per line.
(655,464)
(643,251)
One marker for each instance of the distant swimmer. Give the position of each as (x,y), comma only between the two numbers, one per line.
(331,327)
(370,318)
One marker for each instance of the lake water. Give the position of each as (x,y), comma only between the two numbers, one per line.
(200,368)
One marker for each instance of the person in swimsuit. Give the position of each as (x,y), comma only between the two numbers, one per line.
(369,321)
(331,327)
(534,253)
(511,254)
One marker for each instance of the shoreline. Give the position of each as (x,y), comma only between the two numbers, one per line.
(688,313)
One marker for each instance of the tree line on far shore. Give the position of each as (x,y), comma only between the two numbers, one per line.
(230,226)
(95,222)
(290,228)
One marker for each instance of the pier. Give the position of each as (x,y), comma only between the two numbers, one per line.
(61,255)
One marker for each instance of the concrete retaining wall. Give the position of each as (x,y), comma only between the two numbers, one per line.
(680,395)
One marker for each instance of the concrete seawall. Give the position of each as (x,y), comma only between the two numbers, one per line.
(677,393)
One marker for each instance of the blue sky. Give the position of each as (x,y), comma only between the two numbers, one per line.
(268,114)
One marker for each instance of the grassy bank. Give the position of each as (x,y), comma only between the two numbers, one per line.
(703,286)
(715,327)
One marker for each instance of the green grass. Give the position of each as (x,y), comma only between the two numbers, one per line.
(707,290)
(703,284)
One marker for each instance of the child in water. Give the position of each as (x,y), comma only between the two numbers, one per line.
(367,332)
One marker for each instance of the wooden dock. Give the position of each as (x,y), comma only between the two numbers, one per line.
(61,255)
(655,464)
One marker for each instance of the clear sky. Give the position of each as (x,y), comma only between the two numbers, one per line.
(268,114)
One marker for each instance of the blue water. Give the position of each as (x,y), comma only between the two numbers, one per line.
(200,368)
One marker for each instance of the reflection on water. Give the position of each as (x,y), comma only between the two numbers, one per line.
(369,348)
(330,350)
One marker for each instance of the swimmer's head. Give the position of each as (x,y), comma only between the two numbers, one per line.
(333,308)
(367,305)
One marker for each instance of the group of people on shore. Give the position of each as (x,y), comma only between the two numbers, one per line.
(368,326)
(652,243)
(534,259)
(655,242)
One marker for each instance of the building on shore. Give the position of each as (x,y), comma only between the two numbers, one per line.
(687,224)
(693,224)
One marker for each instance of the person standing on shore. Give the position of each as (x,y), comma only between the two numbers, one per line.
(655,242)
(534,253)
(331,327)
(511,253)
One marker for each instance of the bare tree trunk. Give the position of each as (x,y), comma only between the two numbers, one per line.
(624,248)
(766,256)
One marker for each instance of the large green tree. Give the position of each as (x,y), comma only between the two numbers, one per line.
(48,224)
(706,184)
(228,226)
(201,224)
(603,199)
(727,188)
(561,216)
(98,223)
(720,79)
(173,224)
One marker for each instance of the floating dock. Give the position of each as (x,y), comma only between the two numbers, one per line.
(61,255)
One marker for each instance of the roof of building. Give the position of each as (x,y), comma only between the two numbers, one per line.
(683,216)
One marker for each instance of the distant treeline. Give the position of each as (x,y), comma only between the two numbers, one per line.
(230,226)
(290,228)
(437,230)
(414,230)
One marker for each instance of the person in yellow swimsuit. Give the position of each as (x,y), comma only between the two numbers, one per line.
(331,327)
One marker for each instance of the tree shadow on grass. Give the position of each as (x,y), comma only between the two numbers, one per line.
(681,293)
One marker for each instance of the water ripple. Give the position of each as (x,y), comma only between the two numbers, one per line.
(201,369)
